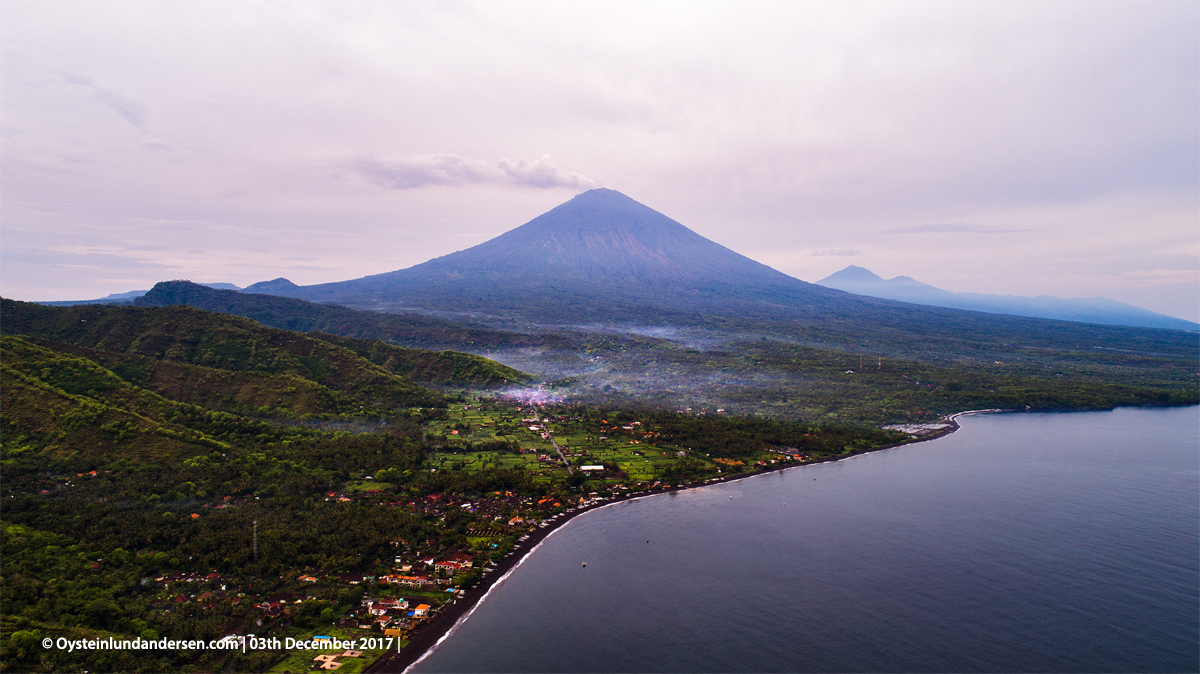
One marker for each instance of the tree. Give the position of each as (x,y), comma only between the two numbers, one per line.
(25,643)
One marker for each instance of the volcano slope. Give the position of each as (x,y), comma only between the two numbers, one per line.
(612,298)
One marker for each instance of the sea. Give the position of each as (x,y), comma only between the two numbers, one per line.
(1024,542)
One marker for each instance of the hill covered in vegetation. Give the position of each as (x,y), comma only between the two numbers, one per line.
(175,348)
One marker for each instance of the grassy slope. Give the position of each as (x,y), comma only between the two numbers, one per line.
(85,413)
(447,367)
(216,388)
(204,349)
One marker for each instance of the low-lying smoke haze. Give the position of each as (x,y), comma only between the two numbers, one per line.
(996,147)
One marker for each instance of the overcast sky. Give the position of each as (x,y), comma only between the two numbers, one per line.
(1015,148)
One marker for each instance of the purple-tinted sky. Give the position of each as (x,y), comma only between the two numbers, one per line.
(1010,147)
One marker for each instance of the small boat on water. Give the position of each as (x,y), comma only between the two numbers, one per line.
(585,563)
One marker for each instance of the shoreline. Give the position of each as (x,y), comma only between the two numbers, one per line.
(461,608)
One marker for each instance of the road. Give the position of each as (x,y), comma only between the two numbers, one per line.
(550,436)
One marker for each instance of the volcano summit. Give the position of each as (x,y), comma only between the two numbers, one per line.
(598,253)
(604,259)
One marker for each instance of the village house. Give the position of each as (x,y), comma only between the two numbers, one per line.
(378,607)
(413,580)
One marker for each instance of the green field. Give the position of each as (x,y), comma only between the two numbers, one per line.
(638,453)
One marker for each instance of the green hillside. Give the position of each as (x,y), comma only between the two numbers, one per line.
(84,414)
(234,363)
(445,367)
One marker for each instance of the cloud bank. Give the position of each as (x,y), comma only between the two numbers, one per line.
(454,170)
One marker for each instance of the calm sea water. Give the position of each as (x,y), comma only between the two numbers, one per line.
(1023,542)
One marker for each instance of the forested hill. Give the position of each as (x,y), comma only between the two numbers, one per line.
(292,314)
(144,331)
(449,367)
(234,364)
(225,362)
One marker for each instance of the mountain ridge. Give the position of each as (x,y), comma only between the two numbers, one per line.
(129,296)
(1101,310)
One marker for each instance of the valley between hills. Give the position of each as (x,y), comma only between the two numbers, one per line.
(356,460)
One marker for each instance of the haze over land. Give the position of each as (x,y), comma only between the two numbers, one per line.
(1003,148)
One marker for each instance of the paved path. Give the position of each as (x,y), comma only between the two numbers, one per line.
(550,436)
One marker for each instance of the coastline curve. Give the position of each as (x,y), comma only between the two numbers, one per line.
(447,623)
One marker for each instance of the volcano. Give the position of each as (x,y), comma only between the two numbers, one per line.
(602,262)
(599,253)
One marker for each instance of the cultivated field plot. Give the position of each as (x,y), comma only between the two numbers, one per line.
(487,435)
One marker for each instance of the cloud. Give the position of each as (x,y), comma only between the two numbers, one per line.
(129,109)
(953,228)
(454,170)
(542,173)
(836,252)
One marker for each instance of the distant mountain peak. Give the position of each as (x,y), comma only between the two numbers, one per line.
(852,273)
(854,279)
